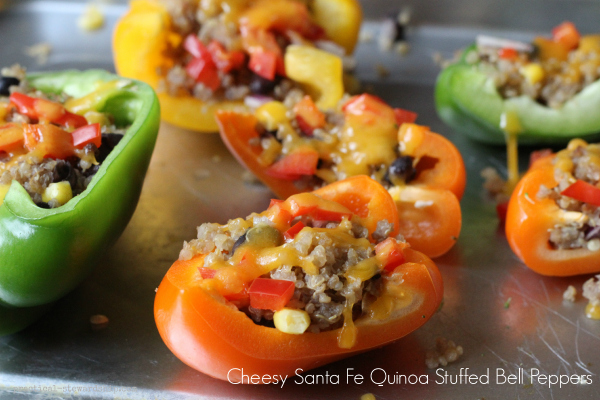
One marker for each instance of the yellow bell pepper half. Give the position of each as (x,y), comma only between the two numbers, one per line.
(143,37)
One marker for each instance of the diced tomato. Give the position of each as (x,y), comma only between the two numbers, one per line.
(308,116)
(390,254)
(291,233)
(224,60)
(263,63)
(46,110)
(538,155)
(207,273)
(270,294)
(49,140)
(204,70)
(501,210)
(584,192)
(370,108)
(291,167)
(87,134)
(508,53)
(11,137)
(403,116)
(567,35)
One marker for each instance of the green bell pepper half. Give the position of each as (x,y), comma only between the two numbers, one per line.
(466,99)
(45,253)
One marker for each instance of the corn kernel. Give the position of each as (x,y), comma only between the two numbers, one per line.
(3,191)
(271,115)
(292,321)
(575,143)
(59,191)
(533,73)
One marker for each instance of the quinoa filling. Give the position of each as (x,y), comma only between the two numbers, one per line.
(581,221)
(226,52)
(542,70)
(38,172)
(332,265)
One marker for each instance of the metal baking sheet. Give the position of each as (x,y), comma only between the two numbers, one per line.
(193,179)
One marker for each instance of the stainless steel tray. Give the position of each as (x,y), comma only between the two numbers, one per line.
(193,179)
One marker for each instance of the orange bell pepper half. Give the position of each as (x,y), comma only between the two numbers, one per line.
(429,204)
(528,221)
(145,42)
(208,332)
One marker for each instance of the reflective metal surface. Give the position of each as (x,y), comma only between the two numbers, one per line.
(507,318)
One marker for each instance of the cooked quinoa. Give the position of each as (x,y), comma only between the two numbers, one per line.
(530,72)
(212,22)
(446,352)
(331,247)
(581,222)
(33,172)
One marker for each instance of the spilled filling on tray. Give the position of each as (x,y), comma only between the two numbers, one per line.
(312,273)
(52,152)
(577,171)
(228,50)
(549,70)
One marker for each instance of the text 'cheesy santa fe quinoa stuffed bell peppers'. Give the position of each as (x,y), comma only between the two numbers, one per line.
(297,146)
(203,56)
(553,221)
(551,86)
(74,150)
(313,279)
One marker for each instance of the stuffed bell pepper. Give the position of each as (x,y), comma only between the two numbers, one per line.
(203,56)
(553,219)
(296,146)
(551,86)
(74,149)
(313,279)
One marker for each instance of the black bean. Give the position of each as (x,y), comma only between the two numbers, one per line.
(402,168)
(62,172)
(241,240)
(260,85)
(593,233)
(42,204)
(109,142)
(5,83)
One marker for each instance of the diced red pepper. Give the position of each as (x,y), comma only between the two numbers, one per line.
(291,167)
(390,254)
(370,108)
(195,47)
(270,294)
(291,233)
(584,192)
(87,134)
(70,120)
(508,53)
(501,210)
(274,201)
(567,35)
(224,60)
(263,63)
(24,104)
(403,116)
(207,273)
(11,137)
(49,140)
(204,70)
(308,116)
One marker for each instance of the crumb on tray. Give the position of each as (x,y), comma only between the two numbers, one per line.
(591,291)
(446,351)
(39,51)
(570,294)
(98,321)
(92,18)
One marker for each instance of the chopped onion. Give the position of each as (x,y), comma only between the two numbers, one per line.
(490,41)
(256,100)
